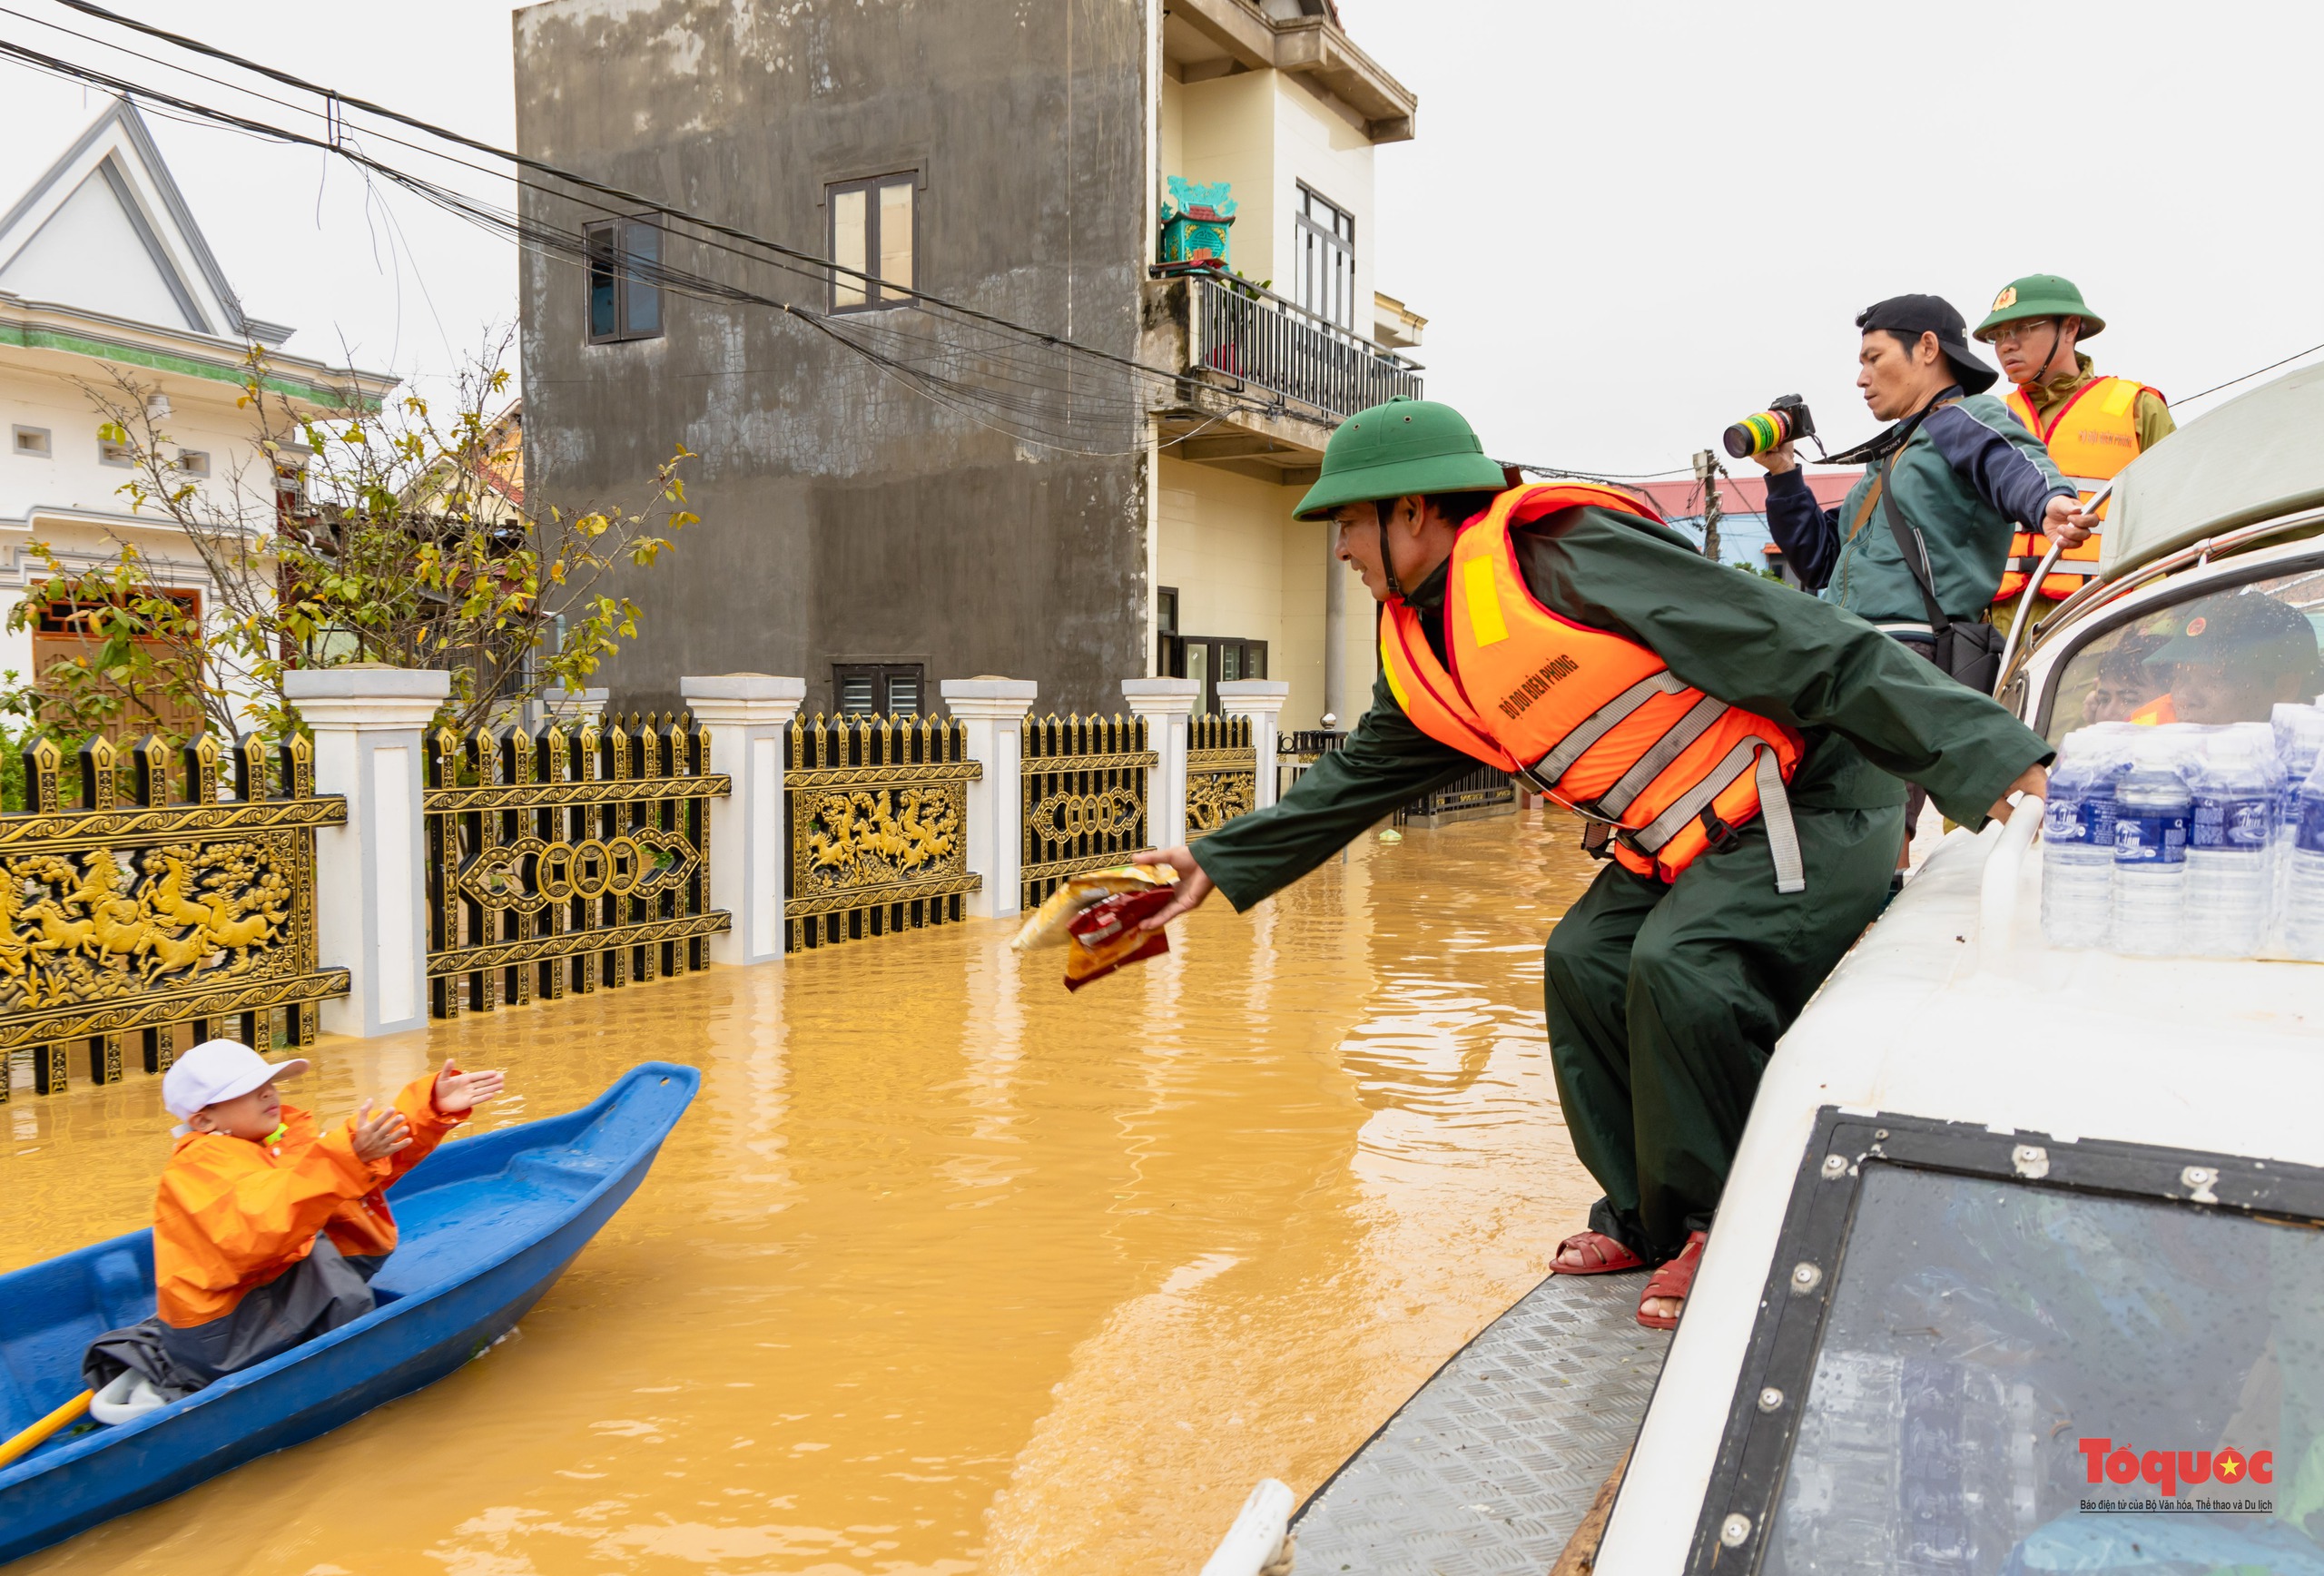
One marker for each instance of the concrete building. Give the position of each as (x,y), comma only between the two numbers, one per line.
(104,272)
(970,503)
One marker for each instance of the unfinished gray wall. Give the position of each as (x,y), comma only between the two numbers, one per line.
(846,517)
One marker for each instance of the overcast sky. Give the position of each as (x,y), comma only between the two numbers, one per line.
(1628,225)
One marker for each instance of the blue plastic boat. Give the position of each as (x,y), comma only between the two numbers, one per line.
(487,1224)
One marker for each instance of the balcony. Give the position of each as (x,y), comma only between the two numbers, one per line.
(1238,344)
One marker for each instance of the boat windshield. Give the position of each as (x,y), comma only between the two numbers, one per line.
(2218,653)
(2015,1378)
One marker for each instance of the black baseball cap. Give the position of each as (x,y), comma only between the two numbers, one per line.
(1915,315)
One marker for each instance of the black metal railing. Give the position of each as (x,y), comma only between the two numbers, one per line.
(1253,336)
(1484,788)
(878,816)
(1301,749)
(567,861)
(1085,788)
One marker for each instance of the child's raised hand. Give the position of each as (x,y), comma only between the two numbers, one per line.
(378,1136)
(463,1091)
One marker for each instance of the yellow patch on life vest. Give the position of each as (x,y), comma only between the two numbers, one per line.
(2118,399)
(1388,669)
(1484,604)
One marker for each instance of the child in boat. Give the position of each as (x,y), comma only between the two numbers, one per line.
(267,1229)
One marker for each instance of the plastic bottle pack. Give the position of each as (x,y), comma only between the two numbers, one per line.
(2078,836)
(2152,809)
(2235,786)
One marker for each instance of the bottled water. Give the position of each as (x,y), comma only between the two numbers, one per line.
(2298,732)
(2304,893)
(2078,838)
(2230,880)
(2152,808)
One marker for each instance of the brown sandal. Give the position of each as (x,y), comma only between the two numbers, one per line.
(1674,1279)
(1604,1256)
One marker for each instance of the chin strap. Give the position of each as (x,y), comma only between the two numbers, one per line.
(1387,566)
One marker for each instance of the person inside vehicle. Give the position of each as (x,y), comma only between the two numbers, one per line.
(2124,688)
(1733,749)
(1954,468)
(2230,657)
(267,1229)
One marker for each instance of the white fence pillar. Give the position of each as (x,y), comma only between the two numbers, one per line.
(746,715)
(1261,700)
(370,875)
(569,707)
(991,712)
(1166,704)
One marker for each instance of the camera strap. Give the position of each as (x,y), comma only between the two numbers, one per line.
(1914,549)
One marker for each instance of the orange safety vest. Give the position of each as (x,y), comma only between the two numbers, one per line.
(1592,720)
(2093,436)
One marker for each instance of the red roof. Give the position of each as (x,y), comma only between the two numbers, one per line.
(1742,495)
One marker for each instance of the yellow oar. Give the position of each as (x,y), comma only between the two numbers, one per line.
(32,1438)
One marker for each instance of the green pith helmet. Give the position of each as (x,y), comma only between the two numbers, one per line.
(1406,446)
(2040,295)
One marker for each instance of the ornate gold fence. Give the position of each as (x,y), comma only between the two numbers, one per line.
(878,809)
(1084,795)
(1222,772)
(568,861)
(157,907)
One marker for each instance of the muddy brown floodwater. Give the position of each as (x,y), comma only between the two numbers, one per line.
(946,1270)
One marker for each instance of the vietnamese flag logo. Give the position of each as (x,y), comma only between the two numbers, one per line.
(2228,1467)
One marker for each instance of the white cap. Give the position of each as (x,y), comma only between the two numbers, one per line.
(219,1069)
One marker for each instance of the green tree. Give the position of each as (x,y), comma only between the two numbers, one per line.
(390,533)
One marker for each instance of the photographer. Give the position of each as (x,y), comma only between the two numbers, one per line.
(1918,547)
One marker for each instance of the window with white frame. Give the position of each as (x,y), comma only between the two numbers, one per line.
(1325,234)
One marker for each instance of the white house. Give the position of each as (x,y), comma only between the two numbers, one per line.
(104,269)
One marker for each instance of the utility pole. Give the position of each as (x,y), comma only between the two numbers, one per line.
(1707,473)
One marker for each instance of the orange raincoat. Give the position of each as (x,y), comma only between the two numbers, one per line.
(232,1214)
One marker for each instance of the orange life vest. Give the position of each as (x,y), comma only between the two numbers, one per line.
(2091,437)
(1592,720)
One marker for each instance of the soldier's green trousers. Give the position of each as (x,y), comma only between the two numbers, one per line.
(1666,1002)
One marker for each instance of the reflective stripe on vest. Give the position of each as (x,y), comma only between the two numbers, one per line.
(2091,438)
(1593,719)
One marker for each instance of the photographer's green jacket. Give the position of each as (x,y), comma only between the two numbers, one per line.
(1664,1001)
(1966,473)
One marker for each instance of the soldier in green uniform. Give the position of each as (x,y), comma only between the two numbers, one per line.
(1665,998)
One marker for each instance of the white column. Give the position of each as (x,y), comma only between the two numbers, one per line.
(993,714)
(570,707)
(1166,704)
(1261,700)
(370,875)
(746,715)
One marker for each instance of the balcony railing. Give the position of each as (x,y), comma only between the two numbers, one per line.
(1256,338)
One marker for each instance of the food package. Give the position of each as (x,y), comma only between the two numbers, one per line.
(1106,935)
(1050,923)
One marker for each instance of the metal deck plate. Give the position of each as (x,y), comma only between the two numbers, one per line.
(1493,1464)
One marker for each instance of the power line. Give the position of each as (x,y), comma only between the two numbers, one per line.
(344,101)
(849,329)
(2247,376)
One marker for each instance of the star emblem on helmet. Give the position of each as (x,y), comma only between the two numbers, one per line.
(2008,298)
